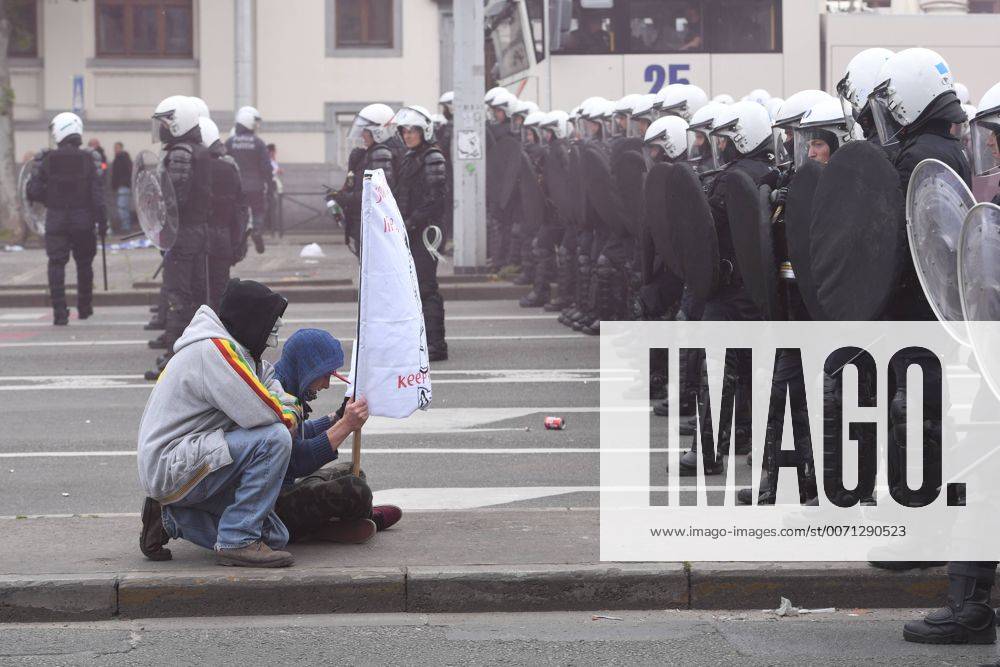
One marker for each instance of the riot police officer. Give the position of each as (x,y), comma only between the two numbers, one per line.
(188,166)
(420,193)
(229,221)
(250,153)
(67,180)
(373,127)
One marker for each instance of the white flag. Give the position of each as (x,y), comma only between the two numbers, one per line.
(389,360)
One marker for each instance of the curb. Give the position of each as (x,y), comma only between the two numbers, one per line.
(468,588)
(299,294)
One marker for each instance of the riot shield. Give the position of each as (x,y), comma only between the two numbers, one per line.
(986,188)
(503,169)
(856,240)
(630,172)
(155,202)
(765,227)
(798,220)
(600,188)
(532,198)
(937,201)
(979,277)
(689,233)
(558,179)
(655,213)
(33,212)
(744,208)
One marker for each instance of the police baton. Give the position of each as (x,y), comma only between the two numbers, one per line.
(104,258)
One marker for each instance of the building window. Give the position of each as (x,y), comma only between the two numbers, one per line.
(364,24)
(144,28)
(23,16)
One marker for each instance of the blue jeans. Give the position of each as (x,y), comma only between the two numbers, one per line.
(123,203)
(234,506)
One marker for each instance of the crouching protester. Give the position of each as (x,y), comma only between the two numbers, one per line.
(326,503)
(215,438)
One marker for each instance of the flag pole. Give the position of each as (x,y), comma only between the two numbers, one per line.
(356,444)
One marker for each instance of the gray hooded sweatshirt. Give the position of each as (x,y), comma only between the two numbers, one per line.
(211,386)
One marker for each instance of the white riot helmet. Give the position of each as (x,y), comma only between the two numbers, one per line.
(491,93)
(822,131)
(622,113)
(249,118)
(439,121)
(758,95)
(912,85)
(63,125)
(533,126)
(209,131)
(773,106)
(558,122)
(670,134)
(525,108)
(594,110)
(643,114)
(859,80)
(377,119)
(175,116)
(202,107)
(787,119)
(724,98)
(682,100)
(745,124)
(701,147)
(985,127)
(963,93)
(417,117)
(506,102)
(601,112)
(447,100)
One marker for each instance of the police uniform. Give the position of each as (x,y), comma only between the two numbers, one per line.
(227,224)
(421,193)
(250,153)
(68,181)
(376,156)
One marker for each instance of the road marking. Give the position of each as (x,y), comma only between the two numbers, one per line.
(390,450)
(15,320)
(134,515)
(142,343)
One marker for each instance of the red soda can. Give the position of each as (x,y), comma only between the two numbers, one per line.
(555,423)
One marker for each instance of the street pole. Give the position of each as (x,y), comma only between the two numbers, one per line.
(244,89)
(469,138)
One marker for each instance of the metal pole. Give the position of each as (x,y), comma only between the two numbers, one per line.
(244,90)
(469,138)
(547,50)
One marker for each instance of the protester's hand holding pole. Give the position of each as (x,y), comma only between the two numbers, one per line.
(355,414)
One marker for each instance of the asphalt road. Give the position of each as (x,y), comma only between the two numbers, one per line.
(868,637)
(73,397)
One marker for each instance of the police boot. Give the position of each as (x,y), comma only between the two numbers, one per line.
(159,343)
(571,314)
(161,363)
(539,294)
(605,303)
(258,241)
(586,309)
(158,319)
(689,464)
(60,316)
(527,258)
(968,618)
(565,273)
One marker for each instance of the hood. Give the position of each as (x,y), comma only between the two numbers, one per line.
(204,325)
(947,108)
(243,130)
(248,311)
(308,355)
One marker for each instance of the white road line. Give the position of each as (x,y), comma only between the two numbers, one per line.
(142,343)
(463,451)
(14,320)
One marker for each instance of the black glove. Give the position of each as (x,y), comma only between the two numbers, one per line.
(778,197)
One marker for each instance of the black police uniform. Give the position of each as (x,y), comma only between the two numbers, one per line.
(420,194)
(250,153)
(68,181)
(376,156)
(228,223)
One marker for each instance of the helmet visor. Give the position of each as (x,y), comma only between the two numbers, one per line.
(407,117)
(986,145)
(813,144)
(359,127)
(887,125)
(783,145)
(848,114)
(701,150)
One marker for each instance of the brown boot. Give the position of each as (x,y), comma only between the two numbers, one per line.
(255,554)
(153,535)
(352,531)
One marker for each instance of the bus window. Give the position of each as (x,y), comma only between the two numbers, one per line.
(743,26)
(505,26)
(665,26)
(588,28)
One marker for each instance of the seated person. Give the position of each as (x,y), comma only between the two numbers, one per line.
(215,439)
(325,503)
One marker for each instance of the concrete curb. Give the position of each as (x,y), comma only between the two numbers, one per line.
(295,294)
(467,588)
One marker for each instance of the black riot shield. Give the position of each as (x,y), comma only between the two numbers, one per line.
(798,220)
(600,188)
(33,211)
(689,233)
(979,277)
(765,227)
(654,218)
(503,169)
(857,237)
(937,203)
(749,240)
(629,169)
(559,184)
(532,198)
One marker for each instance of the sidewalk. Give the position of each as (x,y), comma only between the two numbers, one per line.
(23,275)
(86,568)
